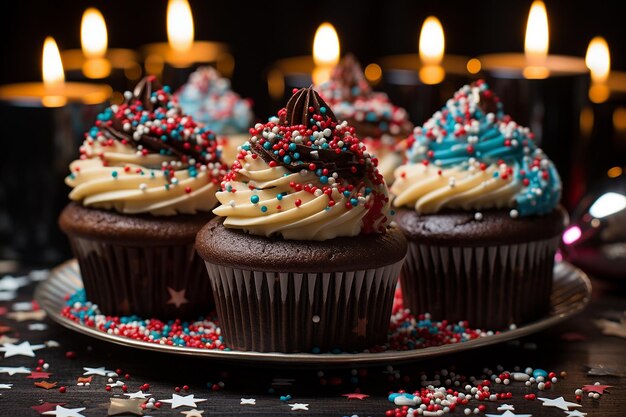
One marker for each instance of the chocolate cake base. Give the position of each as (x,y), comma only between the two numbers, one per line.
(139,264)
(492,273)
(302,296)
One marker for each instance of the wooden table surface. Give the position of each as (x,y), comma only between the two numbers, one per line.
(321,389)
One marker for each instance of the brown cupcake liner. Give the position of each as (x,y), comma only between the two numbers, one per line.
(166,282)
(492,287)
(304,312)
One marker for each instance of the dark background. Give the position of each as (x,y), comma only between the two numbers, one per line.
(261,33)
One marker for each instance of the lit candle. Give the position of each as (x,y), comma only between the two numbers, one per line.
(116,67)
(422,82)
(544,92)
(302,71)
(176,59)
(602,152)
(43,125)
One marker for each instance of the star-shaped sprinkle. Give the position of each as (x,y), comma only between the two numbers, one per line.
(116,384)
(46,406)
(6,386)
(45,384)
(38,327)
(558,402)
(14,370)
(182,401)
(506,407)
(299,406)
(508,413)
(84,379)
(36,315)
(575,413)
(248,401)
(38,375)
(193,413)
(101,371)
(596,388)
(355,396)
(177,297)
(126,406)
(24,349)
(60,411)
(139,394)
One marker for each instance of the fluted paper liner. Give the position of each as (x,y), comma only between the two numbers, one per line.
(492,287)
(166,282)
(300,312)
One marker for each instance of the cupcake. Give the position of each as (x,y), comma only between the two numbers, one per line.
(479,204)
(301,256)
(208,98)
(377,121)
(143,186)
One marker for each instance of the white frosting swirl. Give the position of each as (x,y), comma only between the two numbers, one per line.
(428,188)
(120,177)
(278,211)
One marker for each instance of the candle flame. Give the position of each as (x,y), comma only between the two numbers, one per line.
(598,59)
(180,32)
(537,39)
(432,46)
(326,49)
(93,34)
(52,67)
(432,42)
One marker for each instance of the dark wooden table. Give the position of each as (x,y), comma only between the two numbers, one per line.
(557,349)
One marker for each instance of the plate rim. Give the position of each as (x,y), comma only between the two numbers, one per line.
(304,359)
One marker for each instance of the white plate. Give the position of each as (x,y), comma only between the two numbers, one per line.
(570,295)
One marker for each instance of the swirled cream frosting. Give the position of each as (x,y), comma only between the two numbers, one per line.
(147,156)
(472,156)
(304,176)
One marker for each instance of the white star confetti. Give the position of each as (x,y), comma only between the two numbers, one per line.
(6,386)
(101,371)
(23,306)
(248,401)
(11,283)
(38,326)
(575,413)
(558,402)
(116,384)
(299,406)
(506,407)
(24,349)
(193,413)
(65,412)
(508,413)
(14,370)
(180,401)
(138,394)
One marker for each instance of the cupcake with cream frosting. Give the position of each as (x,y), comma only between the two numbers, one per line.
(377,121)
(143,186)
(209,99)
(301,255)
(478,202)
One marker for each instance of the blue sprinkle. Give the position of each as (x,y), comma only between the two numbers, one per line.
(114,174)
(292,146)
(279,196)
(263,209)
(254,199)
(267,145)
(324,179)
(354,202)
(287,159)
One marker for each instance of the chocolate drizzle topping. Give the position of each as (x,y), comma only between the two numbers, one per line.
(299,106)
(142,95)
(305,103)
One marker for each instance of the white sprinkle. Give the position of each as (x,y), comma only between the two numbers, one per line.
(514,215)
(143,186)
(478,216)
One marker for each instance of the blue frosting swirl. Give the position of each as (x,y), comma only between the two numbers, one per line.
(472,128)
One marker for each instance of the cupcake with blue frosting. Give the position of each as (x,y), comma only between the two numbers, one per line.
(478,201)
(209,99)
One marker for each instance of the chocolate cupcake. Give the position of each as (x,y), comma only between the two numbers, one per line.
(478,203)
(301,256)
(380,124)
(144,185)
(209,99)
